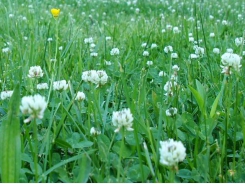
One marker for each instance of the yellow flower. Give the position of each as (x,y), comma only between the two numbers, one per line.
(55,12)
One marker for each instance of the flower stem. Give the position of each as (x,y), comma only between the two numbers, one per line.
(34,124)
(120,156)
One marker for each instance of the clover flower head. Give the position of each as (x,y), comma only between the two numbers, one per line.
(171,152)
(176,30)
(193,56)
(88,40)
(122,118)
(80,96)
(94,54)
(199,51)
(114,51)
(6,94)
(34,106)
(35,72)
(6,50)
(216,50)
(60,85)
(211,35)
(174,55)
(239,41)
(171,111)
(42,86)
(153,45)
(175,68)
(93,131)
(144,45)
(96,77)
(231,60)
(161,73)
(149,63)
(146,53)
(168,49)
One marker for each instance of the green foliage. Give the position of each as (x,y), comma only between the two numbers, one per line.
(10,141)
(59,147)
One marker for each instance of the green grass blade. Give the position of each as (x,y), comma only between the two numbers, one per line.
(214,106)
(84,171)
(10,155)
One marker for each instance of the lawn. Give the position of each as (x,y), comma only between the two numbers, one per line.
(122,91)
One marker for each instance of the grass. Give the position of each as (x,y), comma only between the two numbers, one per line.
(59,148)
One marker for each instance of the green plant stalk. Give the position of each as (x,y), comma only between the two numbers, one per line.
(225,135)
(234,123)
(120,157)
(35,132)
(172,175)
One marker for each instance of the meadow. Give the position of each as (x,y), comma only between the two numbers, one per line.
(122,91)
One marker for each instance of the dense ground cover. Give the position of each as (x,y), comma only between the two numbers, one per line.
(116,79)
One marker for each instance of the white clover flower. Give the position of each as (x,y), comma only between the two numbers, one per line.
(171,152)
(96,77)
(161,73)
(137,10)
(211,35)
(211,17)
(143,45)
(199,51)
(239,16)
(175,68)
(168,87)
(50,39)
(80,96)
(216,50)
(146,53)
(60,47)
(163,31)
(6,94)
(114,51)
(122,118)
(93,54)
(107,38)
(25,38)
(171,111)
(88,40)
(168,49)
(224,22)
(103,77)
(93,131)
(35,72)
(149,63)
(174,55)
(229,50)
(193,56)
(153,45)
(176,30)
(174,77)
(6,50)
(231,60)
(60,85)
(92,45)
(108,63)
(34,106)
(191,39)
(169,27)
(239,41)
(42,86)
